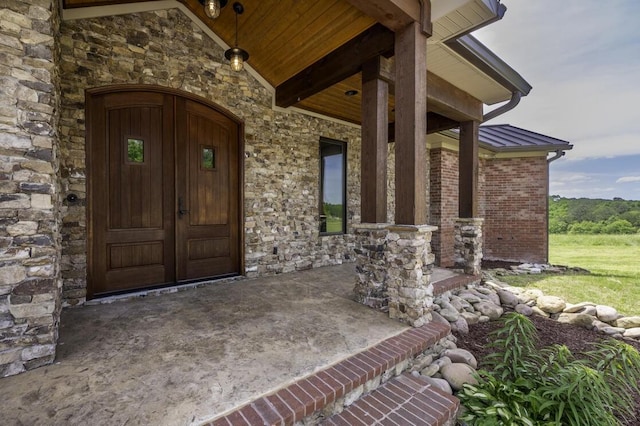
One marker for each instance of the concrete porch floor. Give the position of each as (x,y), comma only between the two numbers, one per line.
(187,357)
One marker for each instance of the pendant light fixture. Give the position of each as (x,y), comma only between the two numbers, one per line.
(236,55)
(212,8)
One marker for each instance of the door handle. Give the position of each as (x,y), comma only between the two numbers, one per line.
(181,209)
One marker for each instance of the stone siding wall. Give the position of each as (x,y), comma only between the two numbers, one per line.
(515,208)
(29,237)
(281,149)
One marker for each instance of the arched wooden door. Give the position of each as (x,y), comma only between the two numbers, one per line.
(164,191)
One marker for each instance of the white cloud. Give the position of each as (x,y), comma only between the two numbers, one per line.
(627,179)
(585,89)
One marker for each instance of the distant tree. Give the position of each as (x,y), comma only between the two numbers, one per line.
(602,212)
(633,216)
(599,214)
(558,226)
(578,210)
(586,227)
(619,227)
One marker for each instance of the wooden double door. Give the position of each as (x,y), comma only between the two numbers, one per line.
(164,191)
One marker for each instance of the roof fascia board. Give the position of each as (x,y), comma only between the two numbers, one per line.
(440,8)
(496,8)
(470,49)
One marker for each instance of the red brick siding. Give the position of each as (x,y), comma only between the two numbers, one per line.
(515,209)
(443,207)
(512,197)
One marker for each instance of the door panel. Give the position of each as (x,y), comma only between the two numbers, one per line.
(207,166)
(132,163)
(164,191)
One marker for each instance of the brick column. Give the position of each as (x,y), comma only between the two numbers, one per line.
(371,264)
(410,263)
(468,245)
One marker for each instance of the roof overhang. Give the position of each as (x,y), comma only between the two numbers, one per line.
(453,57)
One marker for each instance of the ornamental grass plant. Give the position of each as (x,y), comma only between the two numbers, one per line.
(523,385)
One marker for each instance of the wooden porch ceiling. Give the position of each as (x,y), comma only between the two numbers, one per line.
(287,37)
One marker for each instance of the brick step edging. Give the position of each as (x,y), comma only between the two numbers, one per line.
(454,283)
(321,389)
(403,400)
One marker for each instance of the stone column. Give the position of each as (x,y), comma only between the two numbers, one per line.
(371,264)
(29,219)
(468,245)
(410,263)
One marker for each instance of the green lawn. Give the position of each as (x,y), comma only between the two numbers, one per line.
(334,224)
(614,262)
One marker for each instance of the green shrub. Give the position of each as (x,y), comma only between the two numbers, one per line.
(557,226)
(550,387)
(586,227)
(619,226)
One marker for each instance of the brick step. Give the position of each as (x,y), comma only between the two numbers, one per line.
(454,283)
(313,397)
(404,400)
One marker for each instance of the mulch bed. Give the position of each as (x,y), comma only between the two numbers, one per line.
(550,332)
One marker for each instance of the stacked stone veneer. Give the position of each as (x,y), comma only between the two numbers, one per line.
(394,265)
(29,238)
(468,245)
(281,169)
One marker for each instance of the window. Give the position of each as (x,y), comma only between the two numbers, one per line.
(208,158)
(135,150)
(333,186)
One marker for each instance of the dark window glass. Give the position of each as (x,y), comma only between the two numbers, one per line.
(135,150)
(333,186)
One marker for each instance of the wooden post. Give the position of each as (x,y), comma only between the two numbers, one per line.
(468,170)
(375,134)
(411,125)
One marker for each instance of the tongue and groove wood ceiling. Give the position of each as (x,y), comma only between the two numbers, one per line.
(285,37)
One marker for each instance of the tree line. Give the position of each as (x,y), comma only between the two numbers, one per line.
(593,216)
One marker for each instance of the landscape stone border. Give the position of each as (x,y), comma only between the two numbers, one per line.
(450,368)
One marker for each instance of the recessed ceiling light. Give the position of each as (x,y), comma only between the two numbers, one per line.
(351,92)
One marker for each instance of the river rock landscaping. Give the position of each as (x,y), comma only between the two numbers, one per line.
(472,313)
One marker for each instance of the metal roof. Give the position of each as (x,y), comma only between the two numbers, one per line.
(505,137)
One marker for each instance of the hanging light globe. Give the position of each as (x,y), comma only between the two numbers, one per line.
(236,57)
(212,8)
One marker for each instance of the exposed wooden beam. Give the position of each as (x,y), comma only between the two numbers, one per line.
(435,123)
(342,63)
(468,170)
(448,100)
(442,96)
(425,17)
(393,14)
(411,125)
(373,166)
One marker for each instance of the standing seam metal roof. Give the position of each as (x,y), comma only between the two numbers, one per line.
(505,137)
(508,137)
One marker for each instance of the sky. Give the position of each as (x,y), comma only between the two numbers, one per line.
(582,58)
